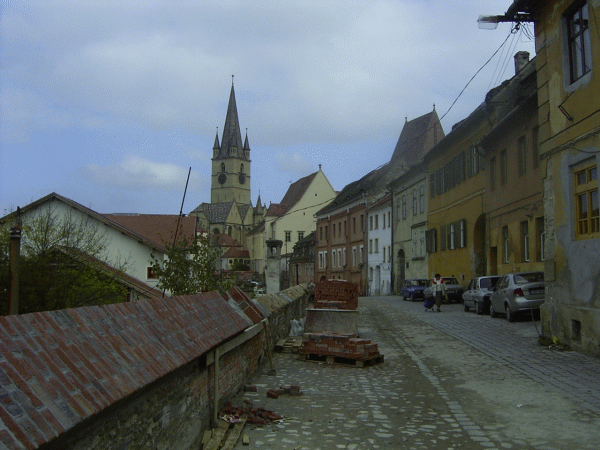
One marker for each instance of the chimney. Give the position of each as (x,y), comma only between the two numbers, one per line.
(521,60)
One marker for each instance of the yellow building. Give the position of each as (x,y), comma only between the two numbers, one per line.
(567,37)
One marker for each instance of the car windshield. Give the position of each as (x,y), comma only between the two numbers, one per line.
(533,277)
(487,283)
(418,282)
(450,280)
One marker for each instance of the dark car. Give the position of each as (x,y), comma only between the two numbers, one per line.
(454,290)
(477,294)
(413,289)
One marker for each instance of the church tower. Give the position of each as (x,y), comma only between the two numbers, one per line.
(231,161)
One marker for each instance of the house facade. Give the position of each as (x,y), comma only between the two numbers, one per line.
(568,47)
(513,195)
(302,261)
(409,226)
(379,245)
(293,218)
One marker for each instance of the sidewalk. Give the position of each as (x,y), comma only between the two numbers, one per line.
(450,380)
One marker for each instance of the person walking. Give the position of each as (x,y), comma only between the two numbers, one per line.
(439,290)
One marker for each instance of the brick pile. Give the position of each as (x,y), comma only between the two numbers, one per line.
(337,347)
(336,294)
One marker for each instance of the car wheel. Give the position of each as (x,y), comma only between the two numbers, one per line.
(478,309)
(510,314)
(465,306)
(493,312)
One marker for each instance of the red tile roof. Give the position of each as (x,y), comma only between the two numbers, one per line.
(158,228)
(58,368)
(247,305)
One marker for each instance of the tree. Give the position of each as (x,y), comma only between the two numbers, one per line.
(189,267)
(63,264)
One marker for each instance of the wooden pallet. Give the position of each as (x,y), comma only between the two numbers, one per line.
(289,345)
(341,360)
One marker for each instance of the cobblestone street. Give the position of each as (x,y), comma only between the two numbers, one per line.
(450,380)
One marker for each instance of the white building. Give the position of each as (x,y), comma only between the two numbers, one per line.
(379,247)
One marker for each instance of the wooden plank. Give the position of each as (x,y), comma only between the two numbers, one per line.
(218,435)
(245,439)
(234,434)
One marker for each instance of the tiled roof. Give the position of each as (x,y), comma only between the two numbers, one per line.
(224,240)
(412,143)
(214,212)
(384,201)
(119,275)
(58,368)
(292,196)
(158,228)
(236,253)
(250,309)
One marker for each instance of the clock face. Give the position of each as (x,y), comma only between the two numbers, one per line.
(242,178)
(222,178)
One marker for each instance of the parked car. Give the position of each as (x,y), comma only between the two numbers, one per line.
(477,294)
(454,290)
(413,289)
(516,292)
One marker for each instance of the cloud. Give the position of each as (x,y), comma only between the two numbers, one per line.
(138,173)
(294,164)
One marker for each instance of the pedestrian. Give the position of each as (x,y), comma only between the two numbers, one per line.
(439,290)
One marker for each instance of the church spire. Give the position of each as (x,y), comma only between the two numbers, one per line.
(231,143)
(217,146)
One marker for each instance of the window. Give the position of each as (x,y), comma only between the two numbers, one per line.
(354,256)
(300,235)
(370,222)
(333,230)
(540,232)
(376,245)
(383,219)
(493,173)
(321,233)
(151,273)
(339,252)
(354,224)
(422,199)
(430,241)
(321,260)
(414,244)
(345,229)
(525,241)
(422,243)
(389,218)
(404,206)
(333,259)
(288,236)
(505,248)
(415,204)
(242,168)
(522,155)
(325,259)
(578,41)
(377,221)
(586,201)
(454,235)
(370,245)
(222,167)
(384,250)
(362,254)
(503,167)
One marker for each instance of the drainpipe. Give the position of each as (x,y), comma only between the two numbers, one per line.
(15,253)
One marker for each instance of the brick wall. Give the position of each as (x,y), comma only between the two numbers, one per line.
(129,376)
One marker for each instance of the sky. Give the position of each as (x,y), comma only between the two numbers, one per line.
(110,103)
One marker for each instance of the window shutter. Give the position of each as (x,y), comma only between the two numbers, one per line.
(463,241)
(443,238)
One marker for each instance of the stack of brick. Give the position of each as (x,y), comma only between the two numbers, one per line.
(338,345)
(337,295)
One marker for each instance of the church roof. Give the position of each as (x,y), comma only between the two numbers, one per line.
(232,137)
(214,212)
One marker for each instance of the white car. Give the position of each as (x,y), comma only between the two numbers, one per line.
(516,292)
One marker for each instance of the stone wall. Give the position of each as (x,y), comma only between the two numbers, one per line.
(170,412)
